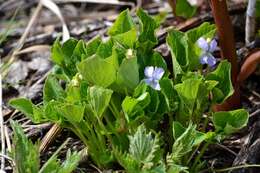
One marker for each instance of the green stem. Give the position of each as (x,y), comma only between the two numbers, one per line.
(116,112)
(111,126)
(198,157)
(78,132)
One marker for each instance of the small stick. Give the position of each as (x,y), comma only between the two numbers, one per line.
(250,22)
(7,139)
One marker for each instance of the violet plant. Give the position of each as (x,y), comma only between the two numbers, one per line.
(121,101)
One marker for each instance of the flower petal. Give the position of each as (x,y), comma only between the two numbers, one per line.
(156,85)
(213,46)
(148,71)
(153,83)
(211,60)
(158,73)
(204,59)
(148,81)
(203,44)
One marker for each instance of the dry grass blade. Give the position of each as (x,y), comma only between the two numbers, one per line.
(2,128)
(37,48)
(7,139)
(112,2)
(55,9)
(29,26)
(49,137)
(4,67)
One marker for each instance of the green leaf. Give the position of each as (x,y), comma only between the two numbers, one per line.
(170,94)
(154,103)
(52,90)
(127,39)
(188,92)
(143,147)
(99,99)
(205,30)
(79,50)
(22,104)
(73,113)
(68,48)
(184,9)
(105,49)
(177,169)
(178,130)
(67,55)
(56,53)
(28,108)
(24,153)
(73,93)
(148,27)
(182,145)
(147,39)
(144,153)
(160,18)
(51,166)
(231,121)
(52,112)
(156,60)
(224,88)
(97,71)
(128,73)
(123,23)
(127,162)
(133,106)
(178,45)
(71,162)
(92,46)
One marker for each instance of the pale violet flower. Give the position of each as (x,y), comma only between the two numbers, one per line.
(208,47)
(153,76)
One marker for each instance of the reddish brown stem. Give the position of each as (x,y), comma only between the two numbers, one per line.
(249,66)
(228,51)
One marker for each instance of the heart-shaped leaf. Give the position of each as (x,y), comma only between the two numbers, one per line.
(230,122)
(97,71)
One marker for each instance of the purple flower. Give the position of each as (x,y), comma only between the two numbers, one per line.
(208,47)
(153,75)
